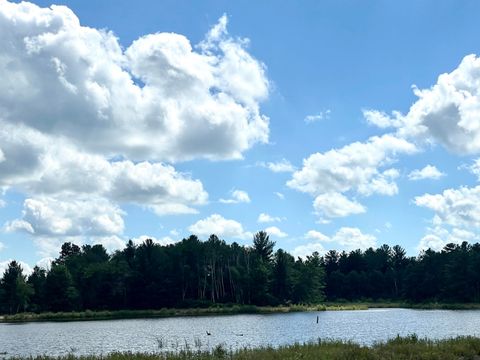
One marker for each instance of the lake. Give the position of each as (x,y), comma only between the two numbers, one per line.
(235,331)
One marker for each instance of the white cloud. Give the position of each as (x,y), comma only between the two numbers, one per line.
(190,95)
(455,207)
(303,251)
(64,181)
(275,231)
(175,232)
(279,195)
(172,209)
(18,225)
(474,168)
(349,238)
(317,235)
(356,167)
(381,119)
(110,243)
(383,184)
(353,167)
(51,217)
(353,238)
(45,263)
(334,204)
(322,115)
(266,218)
(238,196)
(218,225)
(49,247)
(431,241)
(438,237)
(3,203)
(280,166)
(428,172)
(86,126)
(166,240)
(59,168)
(27,270)
(447,113)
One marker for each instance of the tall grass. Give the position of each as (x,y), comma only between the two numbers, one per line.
(213,310)
(225,310)
(401,348)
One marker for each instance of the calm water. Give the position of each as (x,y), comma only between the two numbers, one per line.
(153,335)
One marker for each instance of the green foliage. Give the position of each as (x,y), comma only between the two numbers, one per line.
(14,290)
(188,274)
(400,348)
(201,274)
(449,276)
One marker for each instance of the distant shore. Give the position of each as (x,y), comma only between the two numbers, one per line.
(400,348)
(172,312)
(225,310)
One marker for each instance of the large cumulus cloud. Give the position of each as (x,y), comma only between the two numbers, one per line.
(87,125)
(359,168)
(161,98)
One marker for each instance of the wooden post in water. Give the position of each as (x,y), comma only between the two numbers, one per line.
(317,319)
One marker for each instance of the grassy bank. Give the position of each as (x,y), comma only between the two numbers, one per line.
(134,314)
(225,310)
(399,348)
(405,305)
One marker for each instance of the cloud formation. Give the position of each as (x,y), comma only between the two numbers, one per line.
(332,205)
(428,172)
(438,237)
(322,115)
(218,225)
(360,167)
(276,232)
(161,98)
(266,218)
(455,207)
(166,240)
(350,238)
(238,196)
(277,167)
(446,113)
(87,126)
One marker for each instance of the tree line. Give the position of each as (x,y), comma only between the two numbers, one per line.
(190,273)
(386,273)
(195,273)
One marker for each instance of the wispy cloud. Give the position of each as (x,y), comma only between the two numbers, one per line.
(238,196)
(428,172)
(322,115)
(280,166)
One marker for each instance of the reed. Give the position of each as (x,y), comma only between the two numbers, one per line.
(401,348)
(227,310)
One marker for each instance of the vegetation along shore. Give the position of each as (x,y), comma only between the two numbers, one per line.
(223,310)
(401,348)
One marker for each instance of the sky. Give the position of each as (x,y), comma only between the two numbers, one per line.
(329,124)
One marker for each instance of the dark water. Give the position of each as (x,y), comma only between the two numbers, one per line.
(154,335)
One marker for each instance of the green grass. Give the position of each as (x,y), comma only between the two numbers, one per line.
(401,348)
(406,305)
(133,314)
(226,310)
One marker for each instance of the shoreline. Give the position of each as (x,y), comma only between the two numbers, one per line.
(399,348)
(224,310)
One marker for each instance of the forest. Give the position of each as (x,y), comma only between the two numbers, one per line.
(195,273)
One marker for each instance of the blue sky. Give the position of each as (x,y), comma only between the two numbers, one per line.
(163,118)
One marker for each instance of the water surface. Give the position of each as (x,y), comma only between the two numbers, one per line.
(232,331)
